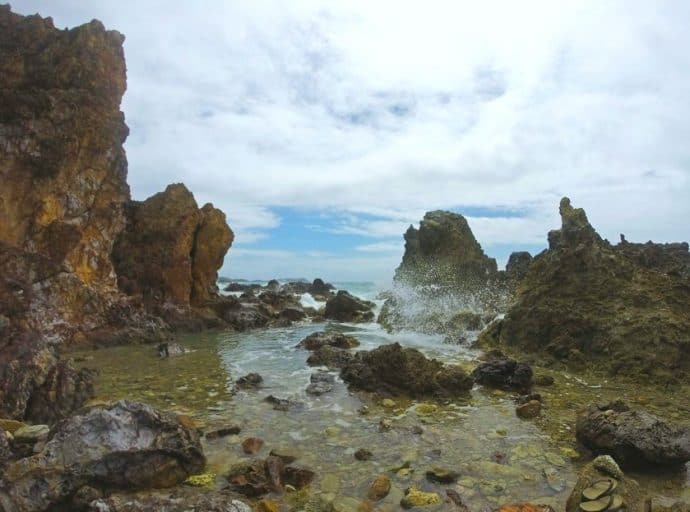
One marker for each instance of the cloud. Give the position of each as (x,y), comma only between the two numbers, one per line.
(383,110)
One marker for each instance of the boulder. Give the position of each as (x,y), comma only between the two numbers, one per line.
(320,289)
(125,445)
(333,339)
(599,472)
(632,316)
(345,307)
(320,383)
(503,373)
(330,356)
(633,438)
(259,477)
(396,370)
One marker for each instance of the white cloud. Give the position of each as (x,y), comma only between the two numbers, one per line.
(392,108)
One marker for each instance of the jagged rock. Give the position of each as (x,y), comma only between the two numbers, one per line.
(320,383)
(444,250)
(320,289)
(36,385)
(330,356)
(170,249)
(124,445)
(182,500)
(634,438)
(627,488)
(503,373)
(397,370)
(249,381)
(632,315)
(518,265)
(333,339)
(260,477)
(345,307)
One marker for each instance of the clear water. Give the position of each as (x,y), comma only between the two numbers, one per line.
(500,458)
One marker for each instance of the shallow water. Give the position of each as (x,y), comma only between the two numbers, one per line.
(500,457)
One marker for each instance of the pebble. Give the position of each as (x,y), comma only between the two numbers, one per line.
(379,488)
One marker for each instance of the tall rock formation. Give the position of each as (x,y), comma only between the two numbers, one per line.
(445,283)
(623,308)
(444,252)
(171,250)
(64,201)
(63,169)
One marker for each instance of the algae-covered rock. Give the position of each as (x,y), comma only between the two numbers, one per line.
(584,298)
(415,497)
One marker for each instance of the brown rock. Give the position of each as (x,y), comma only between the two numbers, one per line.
(363,454)
(530,409)
(252,445)
(379,488)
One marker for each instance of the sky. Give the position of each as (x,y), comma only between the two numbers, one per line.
(323,129)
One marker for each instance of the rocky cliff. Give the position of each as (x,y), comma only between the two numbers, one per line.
(64,202)
(624,308)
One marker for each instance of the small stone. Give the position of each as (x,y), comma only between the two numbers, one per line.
(287,456)
(379,488)
(252,445)
(388,403)
(417,430)
(223,432)
(364,410)
(441,476)
(414,497)
(202,480)
(528,410)
(426,409)
(363,454)
(544,380)
(31,433)
(385,425)
(606,464)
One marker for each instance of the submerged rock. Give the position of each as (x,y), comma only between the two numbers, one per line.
(396,370)
(333,339)
(345,307)
(320,383)
(124,445)
(414,497)
(260,477)
(249,381)
(632,315)
(634,438)
(379,488)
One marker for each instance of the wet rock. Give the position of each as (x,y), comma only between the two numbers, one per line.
(379,488)
(125,445)
(273,285)
(333,339)
(503,373)
(414,497)
(345,307)
(529,409)
(627,489)
(11,425)
(247,316)
(267,506)
(457,501)
(293,314)
(544,380)
(396,370)
(442,475)
(554,479)
(518,265)
(249,381)
(252,445)
(319,288)
(283,404)
(385,425)
(223,432)
(321,383)
(525,507)
(287,455)
(634,438)
(168,349)
(617,325)
(363,454)
(271,475)
(330,356)
(182,500)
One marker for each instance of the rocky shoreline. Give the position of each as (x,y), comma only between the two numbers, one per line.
(83,265)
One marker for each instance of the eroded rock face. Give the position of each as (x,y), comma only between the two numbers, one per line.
(634,438)
(171,250)
(125,445)
(632,313)
(63,169)
(396,370)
